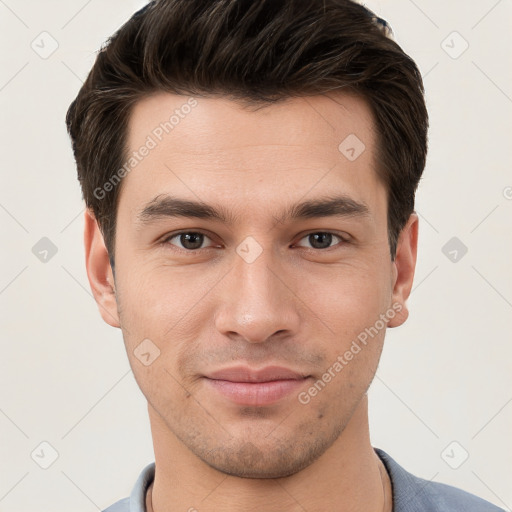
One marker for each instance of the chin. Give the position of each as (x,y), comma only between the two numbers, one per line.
(251,461)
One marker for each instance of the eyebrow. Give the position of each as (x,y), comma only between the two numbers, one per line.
(165,206)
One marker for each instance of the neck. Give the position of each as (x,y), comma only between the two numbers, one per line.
(348,477)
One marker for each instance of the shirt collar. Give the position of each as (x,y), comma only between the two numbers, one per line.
(138,495)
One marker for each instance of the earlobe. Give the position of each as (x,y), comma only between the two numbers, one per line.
(404,267)
(99,271)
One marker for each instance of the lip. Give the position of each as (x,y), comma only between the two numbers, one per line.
(246,374)
(245,386)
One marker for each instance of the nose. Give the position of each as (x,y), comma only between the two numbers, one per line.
(257,301)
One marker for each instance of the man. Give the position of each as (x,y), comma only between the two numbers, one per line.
(249,169)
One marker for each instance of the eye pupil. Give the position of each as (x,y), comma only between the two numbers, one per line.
(191,240)
(325,240)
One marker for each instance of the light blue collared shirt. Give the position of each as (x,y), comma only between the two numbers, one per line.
(410,493)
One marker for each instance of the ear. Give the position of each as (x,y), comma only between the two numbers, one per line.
(99,271)
(403,270)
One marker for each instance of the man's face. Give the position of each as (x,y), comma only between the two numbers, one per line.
(261,288)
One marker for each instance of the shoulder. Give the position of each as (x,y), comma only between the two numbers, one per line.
(454,499)
(412,493)
(119,506)
(136,502)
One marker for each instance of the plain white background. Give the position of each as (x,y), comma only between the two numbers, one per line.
(443,389)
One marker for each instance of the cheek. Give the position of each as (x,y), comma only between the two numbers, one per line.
(347,300)
(347,376)
(162,317)
(163,389)
(161,303)
(147,321)
(351,307)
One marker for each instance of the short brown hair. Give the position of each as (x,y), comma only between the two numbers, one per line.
(257,51)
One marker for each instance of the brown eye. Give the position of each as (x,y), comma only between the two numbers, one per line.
(322,239)
(188,240)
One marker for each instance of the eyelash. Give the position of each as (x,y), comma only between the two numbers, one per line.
(166,241)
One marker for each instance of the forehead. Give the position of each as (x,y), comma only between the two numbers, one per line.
(218,123)
(220,149)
